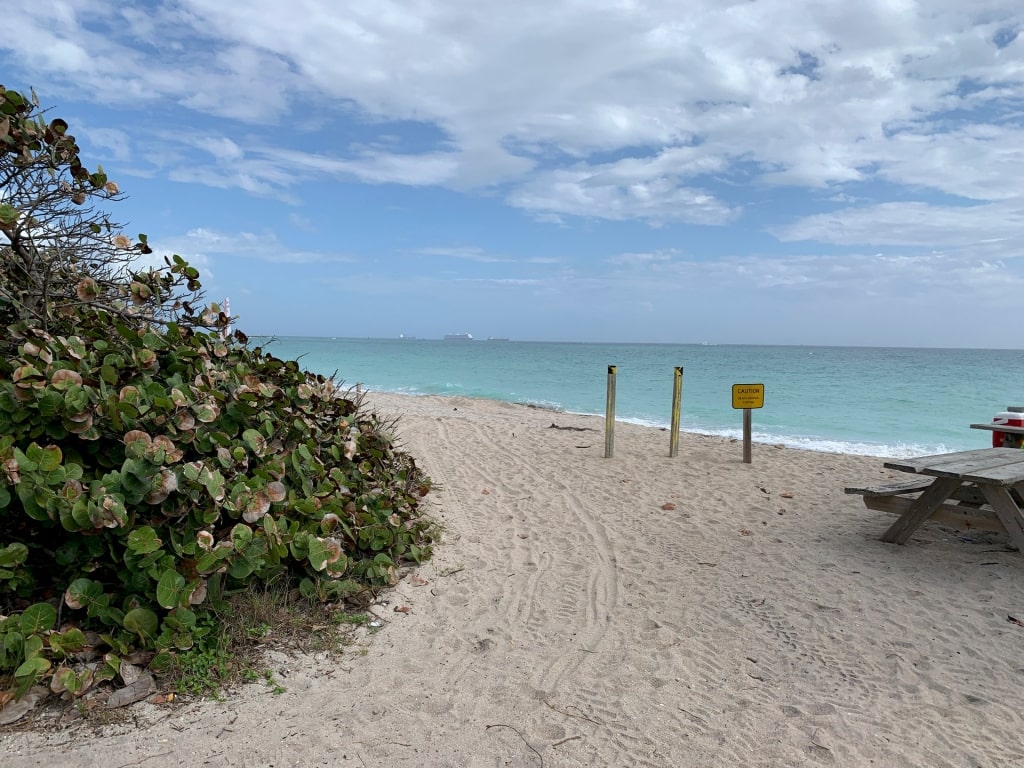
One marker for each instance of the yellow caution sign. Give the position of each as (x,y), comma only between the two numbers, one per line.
(748,395)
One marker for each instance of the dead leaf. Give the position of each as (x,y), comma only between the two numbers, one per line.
(139,658)
(1014,620)
(485,492)
(786,495)
(402,609)
(418,581)
(130,673)
(744,532)
(523,535)
(137,691)
(668,506)
(15,710)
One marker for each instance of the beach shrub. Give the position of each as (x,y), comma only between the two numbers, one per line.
(150,462)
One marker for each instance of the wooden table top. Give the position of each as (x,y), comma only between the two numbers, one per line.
(992,427)
(987,466)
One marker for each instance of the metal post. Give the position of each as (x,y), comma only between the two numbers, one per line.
(746,436)
(677,399)
(609,418)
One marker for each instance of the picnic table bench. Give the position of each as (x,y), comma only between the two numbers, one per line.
(979,489)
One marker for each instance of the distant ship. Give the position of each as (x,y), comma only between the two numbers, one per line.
(458,337)
(496,338)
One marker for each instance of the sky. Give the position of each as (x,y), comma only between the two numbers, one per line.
(756,172)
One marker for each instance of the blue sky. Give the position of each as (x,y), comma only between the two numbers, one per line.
(779,172)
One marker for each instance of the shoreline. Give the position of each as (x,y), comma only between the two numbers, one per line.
(812,445)
(852,400)
(640,610)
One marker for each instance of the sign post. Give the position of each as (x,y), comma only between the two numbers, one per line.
(747,396)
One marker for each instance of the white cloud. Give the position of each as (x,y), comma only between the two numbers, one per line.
(987,225)
(212,244)
(469,253)
(882,280)
(578,192)
(605,110)
(515,282)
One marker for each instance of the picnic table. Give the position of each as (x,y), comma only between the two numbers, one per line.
(1011,435)
(983,488)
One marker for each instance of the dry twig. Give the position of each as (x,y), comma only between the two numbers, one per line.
(502,725)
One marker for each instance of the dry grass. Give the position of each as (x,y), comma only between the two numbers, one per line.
(252,623)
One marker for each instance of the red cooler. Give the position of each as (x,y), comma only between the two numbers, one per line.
(1013,416)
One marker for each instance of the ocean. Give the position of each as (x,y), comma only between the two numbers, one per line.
(892,402)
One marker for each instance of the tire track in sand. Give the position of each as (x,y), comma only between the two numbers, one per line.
(543,592)
(551,564)
(565,584)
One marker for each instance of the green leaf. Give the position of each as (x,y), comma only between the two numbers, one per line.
(82,593)
(50,458)
(256,442)
(13,554)
(308,589)
(25,464)
(208,562)
(144,540)
(142,621)
(66,643)
(214,483)
(318,553)
(33,646)
(181,618)
(76,400)
(12,647)
(241,535)
(79,517)
(241,569)
(111,666)
(50,405)
(28,673)
(38,618)
(170,590)
(71,681)
(9,215)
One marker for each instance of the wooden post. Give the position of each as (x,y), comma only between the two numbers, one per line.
(609,418)
(677,398)
(746,436)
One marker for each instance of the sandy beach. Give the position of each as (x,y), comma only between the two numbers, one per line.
(634,611)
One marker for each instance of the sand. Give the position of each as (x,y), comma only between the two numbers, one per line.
(634,611)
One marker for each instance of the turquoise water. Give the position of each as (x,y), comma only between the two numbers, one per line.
(872,401)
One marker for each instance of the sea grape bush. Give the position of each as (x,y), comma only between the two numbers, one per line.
(143,473)
(150,463)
